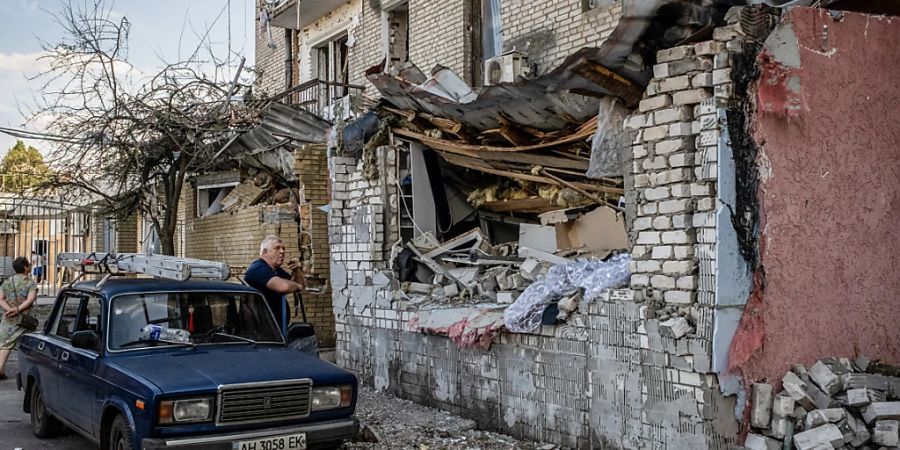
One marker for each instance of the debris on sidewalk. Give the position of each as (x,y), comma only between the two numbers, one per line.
(836,403)
(390,423)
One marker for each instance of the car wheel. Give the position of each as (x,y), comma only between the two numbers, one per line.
(120,435)
(43,424)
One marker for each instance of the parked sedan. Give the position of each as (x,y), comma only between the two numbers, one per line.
(154,363)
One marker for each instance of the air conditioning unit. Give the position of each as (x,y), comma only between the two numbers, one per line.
(505,68)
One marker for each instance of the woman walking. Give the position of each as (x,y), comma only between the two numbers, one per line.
(17,294)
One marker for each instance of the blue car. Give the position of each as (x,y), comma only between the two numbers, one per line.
(155,363)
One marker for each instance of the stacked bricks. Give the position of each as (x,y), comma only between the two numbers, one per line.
(675,174)
(549,31)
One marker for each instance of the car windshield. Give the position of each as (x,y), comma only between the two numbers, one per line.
(189,318)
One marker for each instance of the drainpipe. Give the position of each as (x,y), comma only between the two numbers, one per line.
(288,61)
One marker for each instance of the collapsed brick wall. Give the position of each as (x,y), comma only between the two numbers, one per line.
(620,374)
(549,31)
(233,237)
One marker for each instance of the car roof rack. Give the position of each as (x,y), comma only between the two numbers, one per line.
(162,266)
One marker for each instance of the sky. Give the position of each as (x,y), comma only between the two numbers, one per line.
(161,30)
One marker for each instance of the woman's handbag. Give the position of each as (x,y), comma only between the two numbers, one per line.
(29,323)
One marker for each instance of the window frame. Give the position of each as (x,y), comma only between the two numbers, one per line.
(84,298)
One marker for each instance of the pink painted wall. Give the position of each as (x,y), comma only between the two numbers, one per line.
(828,131)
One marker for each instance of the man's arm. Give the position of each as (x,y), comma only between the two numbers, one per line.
(283,286)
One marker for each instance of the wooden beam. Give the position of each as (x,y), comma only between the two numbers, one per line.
(610,81)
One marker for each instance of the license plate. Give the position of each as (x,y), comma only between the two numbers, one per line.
(284,442)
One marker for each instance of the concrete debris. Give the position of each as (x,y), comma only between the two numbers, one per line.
(853,408)
(389,423)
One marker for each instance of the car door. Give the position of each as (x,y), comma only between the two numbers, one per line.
(58,334)
(77,368)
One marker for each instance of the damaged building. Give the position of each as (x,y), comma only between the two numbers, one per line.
(598,224)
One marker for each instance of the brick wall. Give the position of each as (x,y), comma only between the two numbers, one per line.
(550,30)
(369,49)
(127,235)
(438,35)
(620,374)
(269,63)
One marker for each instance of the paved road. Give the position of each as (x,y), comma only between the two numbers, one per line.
(15,426)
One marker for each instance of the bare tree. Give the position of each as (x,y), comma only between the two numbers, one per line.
(127,138)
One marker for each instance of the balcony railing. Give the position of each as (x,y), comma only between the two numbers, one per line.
(326,99)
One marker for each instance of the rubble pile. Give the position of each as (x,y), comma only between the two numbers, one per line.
(835,404)
(387,422)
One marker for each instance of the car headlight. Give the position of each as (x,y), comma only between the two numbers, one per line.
(330,397)
(183,411)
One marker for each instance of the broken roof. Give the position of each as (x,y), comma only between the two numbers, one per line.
(267,146)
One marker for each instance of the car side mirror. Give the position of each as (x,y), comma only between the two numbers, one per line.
(86,339)
(300,330)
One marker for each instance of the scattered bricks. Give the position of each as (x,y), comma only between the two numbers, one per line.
(674,206)
(865,380)
(796,388)
(691,97)
(757,442)
(656,133)
(894,388)
(653,103)
(860,434)
(825,378)
(708,48)
(676,237)
(782,406)
(886,433)
(781,428)
(672,145)
(662,252)
(819,417)
(660,70)
(881,411)
(857,397)
(451,290)
(677,267)
(675,327)
(700,64)
(654,194)
(820,398)
(506,297)
(648,238)
(801,372)
(679,297)
(675,84)
(530,269)
(815,438)
(675,114)
(419,288)
(662,282)
(674,53)
(761,405)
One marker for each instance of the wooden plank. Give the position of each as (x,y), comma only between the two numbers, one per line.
(610,81)
(536,205)
(512,133)
(455,147)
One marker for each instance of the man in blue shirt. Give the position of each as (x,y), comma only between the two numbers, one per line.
(266,275)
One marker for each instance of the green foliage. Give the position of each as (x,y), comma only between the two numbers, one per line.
(22,168)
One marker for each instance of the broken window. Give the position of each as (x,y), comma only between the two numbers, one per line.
(331,66)
(210,197)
